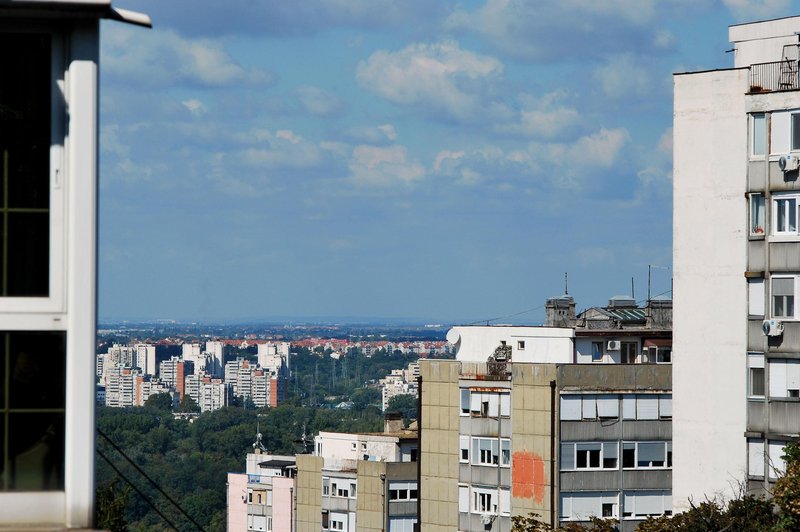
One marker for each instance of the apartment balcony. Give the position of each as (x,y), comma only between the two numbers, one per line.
(776,76)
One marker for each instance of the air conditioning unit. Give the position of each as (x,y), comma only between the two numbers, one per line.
(772,327)
(613,345)
(487,519)
(789,162)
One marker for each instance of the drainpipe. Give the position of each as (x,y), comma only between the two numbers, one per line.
(291,510)
(419,454)
(552,455)
(385,511)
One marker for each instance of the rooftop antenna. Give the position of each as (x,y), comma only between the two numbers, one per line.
(566,284)
(633,292)
(257,445)
(304,440)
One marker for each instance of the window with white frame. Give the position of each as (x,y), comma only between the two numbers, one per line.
(521,345)
(326,486)
(491,451)
(777,465)
(465,401)
(758,133)
(755,457)
(758,217)
(338,521)
(756,381)
(577,407)
(484,500)
(795,131)
(755,297)
(589,455)
(402,524)
(646,455)
(463,442)
(639,504)
(784,214)
(649,406)
(403,491)
(463,498)
(486,404)
(784,378)
(782,288)
(582,505)
(342,488)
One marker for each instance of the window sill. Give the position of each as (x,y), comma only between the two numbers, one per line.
(784,238)
(757,236)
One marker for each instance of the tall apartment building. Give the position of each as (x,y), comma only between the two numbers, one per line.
(173,372)
(121,386)
(210,393)
(251,381)
(736,246)
(356,482)
(570,420)
(146,358)
(399,382)
(216,358)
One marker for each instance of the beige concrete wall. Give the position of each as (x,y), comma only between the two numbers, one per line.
(439,445)
(370,509)
(531,482)
(309,493)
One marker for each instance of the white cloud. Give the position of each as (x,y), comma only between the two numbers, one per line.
(318,101)
(379,166)
(195,107)
(439,76)
(381,134)
(623,76)
(545,117)
(446,157)
(757,9)
(164,58)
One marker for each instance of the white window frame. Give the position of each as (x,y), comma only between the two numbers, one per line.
(755,366)
(784,378)
(757,214)
(403,491)
(755,457)
(463,451)
(607,450)
(485,500)
(756,290)
(667,446)
(789,313)
(782,204)
(597,348)
(489,451)
(629,505)
(597,499)
(776,464)
(758,135)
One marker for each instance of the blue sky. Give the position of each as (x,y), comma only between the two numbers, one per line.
(444,161)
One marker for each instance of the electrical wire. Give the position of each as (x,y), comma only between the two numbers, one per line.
(145,475)
(137,490)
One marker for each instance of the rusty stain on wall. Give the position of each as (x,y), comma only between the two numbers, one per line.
(528,479)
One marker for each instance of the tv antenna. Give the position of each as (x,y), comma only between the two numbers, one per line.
(258,445)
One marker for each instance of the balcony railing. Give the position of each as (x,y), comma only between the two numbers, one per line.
(773,77)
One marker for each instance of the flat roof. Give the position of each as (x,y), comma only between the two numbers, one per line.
(72,8)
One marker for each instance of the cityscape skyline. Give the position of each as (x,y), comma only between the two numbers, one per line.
(375,159)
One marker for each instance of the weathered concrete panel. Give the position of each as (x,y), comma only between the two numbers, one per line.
(756,175)
(639,377)
(757,416)
(784,257)
(784,416)
(755,255)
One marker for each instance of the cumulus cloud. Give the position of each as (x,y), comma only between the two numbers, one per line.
(545,117)
(382,134)
(567,28)
(622,76)
(164,58)
(757,9)
(318,101)
(383,166)
(439,76)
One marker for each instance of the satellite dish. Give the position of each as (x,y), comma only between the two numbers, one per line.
(782,163)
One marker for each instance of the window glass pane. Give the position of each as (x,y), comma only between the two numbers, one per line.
(759,134)
(757,213)
(32,407)
(757,382)
(796,131)
(24,164)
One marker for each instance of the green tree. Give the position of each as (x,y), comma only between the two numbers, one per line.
(159,401)
(404,404)
(111,504)
(188,404)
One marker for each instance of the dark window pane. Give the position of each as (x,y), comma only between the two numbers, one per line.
(36,451)
(796,131)
(25,138)
(28,272)
(32,410)
(37,370)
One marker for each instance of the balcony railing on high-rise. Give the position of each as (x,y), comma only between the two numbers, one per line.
(774,77)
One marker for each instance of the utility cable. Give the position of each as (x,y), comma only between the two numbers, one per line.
(508,316)
(145,475)
(137,490)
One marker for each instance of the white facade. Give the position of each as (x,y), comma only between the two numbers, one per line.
(216,358)
(146,358)
(725,123)
(528,344)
